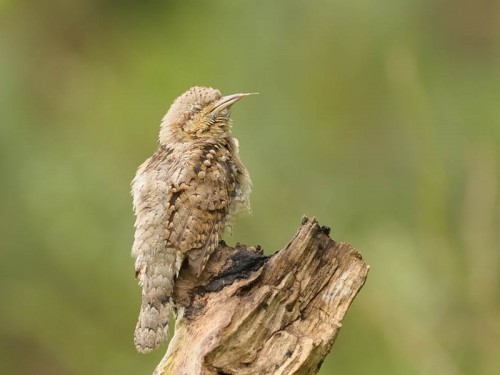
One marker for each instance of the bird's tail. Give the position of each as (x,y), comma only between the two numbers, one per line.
(152,326)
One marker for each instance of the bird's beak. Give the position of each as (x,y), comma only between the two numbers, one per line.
(227,101)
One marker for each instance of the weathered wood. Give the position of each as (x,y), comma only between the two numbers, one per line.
(253,314)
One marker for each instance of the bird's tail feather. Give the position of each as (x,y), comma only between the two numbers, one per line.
(152,326)
(157,288)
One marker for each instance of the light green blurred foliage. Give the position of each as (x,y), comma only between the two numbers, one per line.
(382,119)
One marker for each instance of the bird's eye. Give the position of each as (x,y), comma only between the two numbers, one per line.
(196,108)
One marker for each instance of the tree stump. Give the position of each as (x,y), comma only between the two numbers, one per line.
(249,313)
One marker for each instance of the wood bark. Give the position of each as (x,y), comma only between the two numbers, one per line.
(250,313)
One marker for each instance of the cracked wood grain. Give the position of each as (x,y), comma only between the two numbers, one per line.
(253,314)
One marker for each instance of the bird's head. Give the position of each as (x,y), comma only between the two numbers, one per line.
(201,112)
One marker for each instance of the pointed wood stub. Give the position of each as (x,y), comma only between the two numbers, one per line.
(252,314)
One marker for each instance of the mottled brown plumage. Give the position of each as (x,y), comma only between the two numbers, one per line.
(185,195)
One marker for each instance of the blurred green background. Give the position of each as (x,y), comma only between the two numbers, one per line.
(382,119)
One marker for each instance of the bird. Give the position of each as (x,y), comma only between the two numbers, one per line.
(185,196)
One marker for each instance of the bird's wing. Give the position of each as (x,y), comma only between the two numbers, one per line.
(150,191)
(197,208)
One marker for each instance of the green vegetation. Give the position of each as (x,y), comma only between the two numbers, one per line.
(382,119)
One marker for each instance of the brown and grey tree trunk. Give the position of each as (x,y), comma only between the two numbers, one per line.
(253,314)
